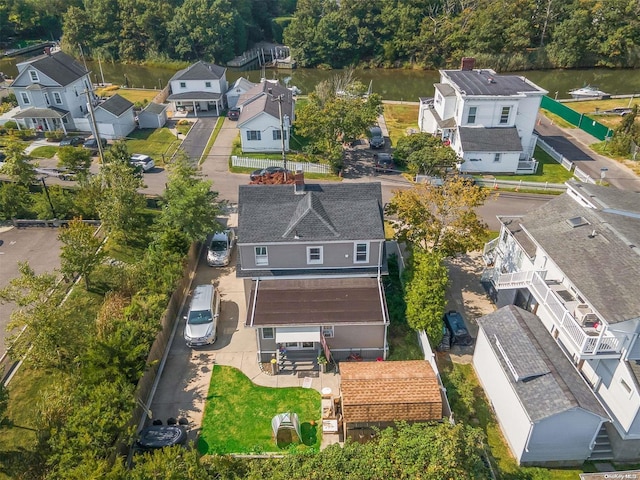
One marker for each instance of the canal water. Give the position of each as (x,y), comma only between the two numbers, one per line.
(404,85)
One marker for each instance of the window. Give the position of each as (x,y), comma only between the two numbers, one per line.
(46,99)
(183,84)
(625,385)
(496,157)
(504,116)
(268,333)
(57,98)
(276,135)
(25,98)
(34,75)
(475,159)
(471,117)
(361,254)
(254,135)
(438,99)
(207,84)
(314,255)
(262,258)
(327,331)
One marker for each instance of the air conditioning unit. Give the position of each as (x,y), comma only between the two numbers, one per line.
(584,315)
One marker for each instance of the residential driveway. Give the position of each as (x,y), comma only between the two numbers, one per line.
(574,143)
(197,138)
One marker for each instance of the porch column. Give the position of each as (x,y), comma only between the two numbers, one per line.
(49,129)
(195,108)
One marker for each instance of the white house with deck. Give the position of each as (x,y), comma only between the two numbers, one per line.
(199,88)
(575,264)
(487,118)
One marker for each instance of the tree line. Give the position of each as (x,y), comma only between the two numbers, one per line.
(504,34)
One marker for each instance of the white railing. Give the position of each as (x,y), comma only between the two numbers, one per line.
(488,252)
(248,162)
(583,176)
(527,166)
(585,344)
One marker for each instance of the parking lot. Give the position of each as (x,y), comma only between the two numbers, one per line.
(37,245)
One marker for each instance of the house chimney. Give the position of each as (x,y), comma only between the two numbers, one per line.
(298,182)
(468,63)
(47,50)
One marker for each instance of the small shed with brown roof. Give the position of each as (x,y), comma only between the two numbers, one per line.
(379,394)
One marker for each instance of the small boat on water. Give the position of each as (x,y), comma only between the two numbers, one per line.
(588,91)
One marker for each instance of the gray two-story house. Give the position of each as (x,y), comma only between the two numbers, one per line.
(52,91)
(312,257)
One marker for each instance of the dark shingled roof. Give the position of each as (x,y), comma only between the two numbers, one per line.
(116,105)
(58,66)
(275,213)
(200,71)
(479,139)
(548,383)
(488,82)
(51,112)
(260,99)
(327,301)
(604,268)
(445,89)
(155,108)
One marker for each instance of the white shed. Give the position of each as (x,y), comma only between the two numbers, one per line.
(115,117)
(547,413)
(154,115)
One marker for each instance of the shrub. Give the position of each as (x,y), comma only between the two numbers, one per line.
(54,136)
(23,134)
(11,125)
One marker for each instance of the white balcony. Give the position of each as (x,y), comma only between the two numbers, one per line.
(586,341)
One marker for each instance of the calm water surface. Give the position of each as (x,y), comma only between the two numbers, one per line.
(407,85)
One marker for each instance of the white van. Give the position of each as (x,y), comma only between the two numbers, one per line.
(202,317)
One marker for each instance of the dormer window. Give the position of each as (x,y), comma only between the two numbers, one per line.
(34,76)
(314,255)
(361,253)
(207,84)
(183,84)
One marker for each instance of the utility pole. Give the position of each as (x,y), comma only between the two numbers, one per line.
(46,191)
(94,125)
(279,99)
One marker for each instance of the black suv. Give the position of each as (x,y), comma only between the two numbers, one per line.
(459,333)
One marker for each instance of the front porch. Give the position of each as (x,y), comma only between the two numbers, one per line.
(43,119)
(197,103)
(584,334)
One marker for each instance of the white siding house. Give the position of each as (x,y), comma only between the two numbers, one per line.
(486,117)
(574,263)
(52,91)
(547,412)
(199,88)
(154,115)
(240,87)
(266,110)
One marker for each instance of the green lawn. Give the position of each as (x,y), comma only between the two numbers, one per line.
(548,171)
(44,152)
(238,413)
(399,118)
(160,144)
(133,95)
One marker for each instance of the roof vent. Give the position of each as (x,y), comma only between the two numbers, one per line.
(592,234)
(491,80)
(577,222)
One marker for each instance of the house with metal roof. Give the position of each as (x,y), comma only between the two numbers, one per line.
(266,114)
(575,264)
(547,412)
(199,89)
(485,117)
(312,257)
(53,91)
(380,394)
(115,117)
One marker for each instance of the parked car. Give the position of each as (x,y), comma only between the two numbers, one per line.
(143,161)
(233,114)
(154,437)
(383,162)
(71,141)
(202,317)
(261,172)
(221,247)
(458,330)
(92,144)
(376,140)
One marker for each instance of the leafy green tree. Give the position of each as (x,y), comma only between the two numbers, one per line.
(119,204)
(173,463)
(61,199)
(440,219)
(80,253)
(426,294)
(76,160)
(188,204)
(17,165)
(15,201)
(424,154)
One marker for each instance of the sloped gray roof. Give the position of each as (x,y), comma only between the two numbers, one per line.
(116,105)
(445,89)
(200,71)
(549,384)
(488,82)
(604,267)
(155,108)
(274,213)
(243,84)
(50,112)
(262,98)
(480,139)
(58,66)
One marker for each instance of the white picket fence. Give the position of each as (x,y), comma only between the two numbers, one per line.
(256,163)
(558,157)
